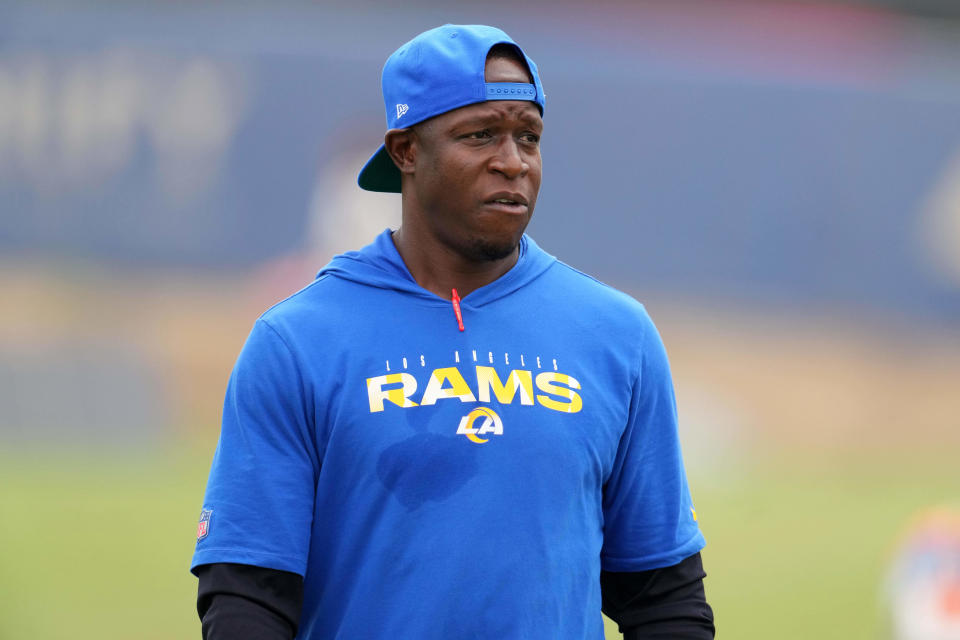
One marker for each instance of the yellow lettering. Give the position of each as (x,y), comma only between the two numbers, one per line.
(376,394)
(518,380)
(458,387)
(571,399)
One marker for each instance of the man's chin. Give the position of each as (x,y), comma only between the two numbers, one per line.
(487,250)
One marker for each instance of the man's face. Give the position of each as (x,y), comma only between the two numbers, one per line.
(478,171)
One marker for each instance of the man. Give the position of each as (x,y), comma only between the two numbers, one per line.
(450,434)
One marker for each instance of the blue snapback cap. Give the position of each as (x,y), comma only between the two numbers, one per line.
(440,70)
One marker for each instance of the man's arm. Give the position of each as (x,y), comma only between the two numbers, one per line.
(258,506)
(243,602)
(659,604)
(649,519)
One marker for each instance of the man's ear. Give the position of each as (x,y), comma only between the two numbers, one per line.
(402,146)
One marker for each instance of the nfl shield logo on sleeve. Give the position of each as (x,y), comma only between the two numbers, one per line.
(203,527)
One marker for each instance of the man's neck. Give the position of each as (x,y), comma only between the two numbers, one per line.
(439,269)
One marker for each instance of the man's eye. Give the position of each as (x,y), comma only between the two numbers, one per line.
(531,138)
(479,134)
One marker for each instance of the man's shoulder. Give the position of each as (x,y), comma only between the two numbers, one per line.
(587,292)
(312,303)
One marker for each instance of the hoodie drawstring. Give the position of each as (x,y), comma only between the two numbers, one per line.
(456,309)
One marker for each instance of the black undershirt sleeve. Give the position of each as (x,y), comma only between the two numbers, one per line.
(659,604)
(243,602)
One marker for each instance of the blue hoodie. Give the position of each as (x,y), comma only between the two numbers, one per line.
(430,482)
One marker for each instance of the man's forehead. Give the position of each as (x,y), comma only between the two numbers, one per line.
(496,111)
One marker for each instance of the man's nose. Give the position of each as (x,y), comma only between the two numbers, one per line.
(508,159)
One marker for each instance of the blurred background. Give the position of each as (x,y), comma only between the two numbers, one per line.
(779,182)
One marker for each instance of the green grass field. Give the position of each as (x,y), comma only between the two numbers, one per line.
(92,546)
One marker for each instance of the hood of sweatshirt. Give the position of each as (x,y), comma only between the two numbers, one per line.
(379,265)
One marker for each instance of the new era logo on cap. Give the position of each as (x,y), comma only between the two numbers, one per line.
(401,109)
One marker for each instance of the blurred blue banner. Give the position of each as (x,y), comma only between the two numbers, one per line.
(786,156)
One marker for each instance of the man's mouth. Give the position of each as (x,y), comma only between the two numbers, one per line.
(513,202)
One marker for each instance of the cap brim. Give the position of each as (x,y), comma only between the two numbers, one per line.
(380,173)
